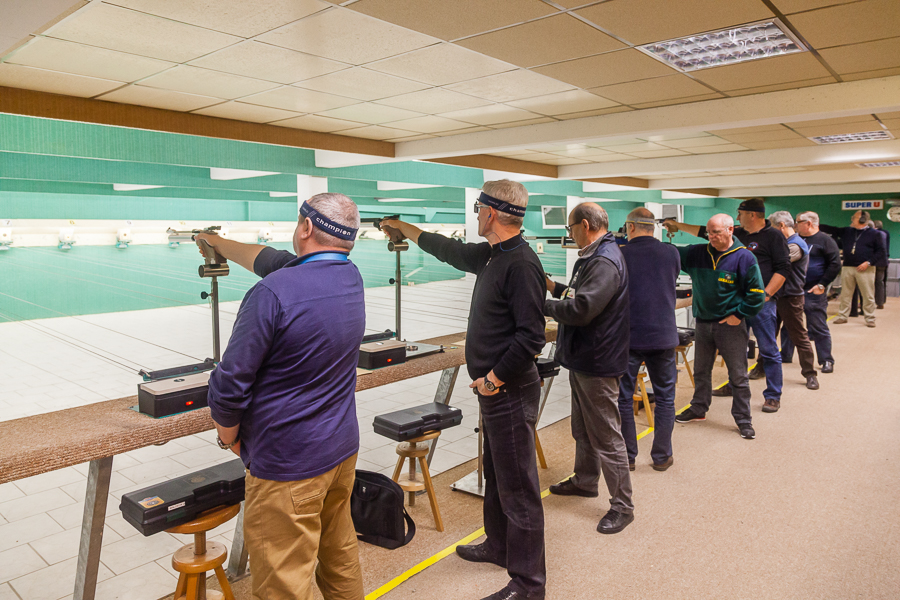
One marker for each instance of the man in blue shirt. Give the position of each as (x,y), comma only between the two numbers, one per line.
(653,269)
(283,399)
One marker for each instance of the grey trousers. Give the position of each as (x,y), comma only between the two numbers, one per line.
(599,445)
(731,342)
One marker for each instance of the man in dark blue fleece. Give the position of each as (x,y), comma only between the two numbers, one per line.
(506,331)
(592,344)
(283,399)
(653,269)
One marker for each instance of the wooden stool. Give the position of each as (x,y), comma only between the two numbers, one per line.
(412,482)
(192,561)
(642,397)
(687,366)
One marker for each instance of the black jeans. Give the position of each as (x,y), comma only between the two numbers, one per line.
(731,342)
(513,513)
(816,309)
(880,285)
(662,367)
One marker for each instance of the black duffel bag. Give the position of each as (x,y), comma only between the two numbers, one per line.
(685,336)
(378,511)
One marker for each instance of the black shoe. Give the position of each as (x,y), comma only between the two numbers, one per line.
(631,466)
(758,371)
(567,488)
(664,464)
(509,594)
(478,553)
(614,522)
(724,391)
(747,431)
(828,367)
(812,383)
(689,415)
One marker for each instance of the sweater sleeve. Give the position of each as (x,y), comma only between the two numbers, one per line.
(269,260)
(781,257)
(881,257)
(599,283)
(833,262)
(525,288)
(752,290)
(465,257)
(795,252)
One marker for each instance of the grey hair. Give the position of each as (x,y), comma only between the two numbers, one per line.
(593,213)
(641,213)
(340,209)
(809,216)
(782,217)
(725,220)
(508,191)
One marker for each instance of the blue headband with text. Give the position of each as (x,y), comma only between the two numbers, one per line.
(327,225)
(512,209)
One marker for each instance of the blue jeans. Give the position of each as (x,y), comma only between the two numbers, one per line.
(816,309)
(764,327)
(662,367)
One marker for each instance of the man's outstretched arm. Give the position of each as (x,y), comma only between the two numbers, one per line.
(674,226)
(243,254)
(465,257)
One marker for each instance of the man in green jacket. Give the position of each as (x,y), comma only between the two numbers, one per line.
(728,290)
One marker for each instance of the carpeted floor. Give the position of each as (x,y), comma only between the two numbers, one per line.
(809,509)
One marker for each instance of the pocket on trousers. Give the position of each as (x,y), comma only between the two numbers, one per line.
(307,496)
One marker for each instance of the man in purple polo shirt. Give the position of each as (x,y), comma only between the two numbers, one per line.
(283,399)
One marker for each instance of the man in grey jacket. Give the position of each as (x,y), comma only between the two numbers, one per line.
(592,344)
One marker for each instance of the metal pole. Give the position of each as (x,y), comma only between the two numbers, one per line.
(442,396)
(398,284)
(214,296)
(237,561)
(99,473)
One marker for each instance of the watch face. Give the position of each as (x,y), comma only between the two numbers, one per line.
(893,213)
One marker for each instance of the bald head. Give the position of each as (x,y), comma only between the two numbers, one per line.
(591,212)
(720,229)
(720,221)
(639,222)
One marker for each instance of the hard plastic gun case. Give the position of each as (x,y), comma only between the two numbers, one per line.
(413,422)
(164,505)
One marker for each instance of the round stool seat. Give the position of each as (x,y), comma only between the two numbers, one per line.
(407,450)
(208,520)
(408,484)
(185,561)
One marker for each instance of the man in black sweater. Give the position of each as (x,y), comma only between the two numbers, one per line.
(863,248)
(771,252)
(505,333)
(593,345)
(824,266)
(653,269)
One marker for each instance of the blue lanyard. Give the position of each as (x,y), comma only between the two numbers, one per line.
(325,256)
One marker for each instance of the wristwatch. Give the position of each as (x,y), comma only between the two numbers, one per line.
(225,446)
(489,385)
(820,286)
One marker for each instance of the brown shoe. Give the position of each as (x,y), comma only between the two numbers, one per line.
(663,465)
(631,467)
(812,383)
(771,406)
(758,371)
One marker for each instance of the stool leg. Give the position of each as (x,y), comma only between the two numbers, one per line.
(193,585)
(429,487)
(540,450)
(181,586)
(397,469)
(687,366)
(223,583)
(412,477)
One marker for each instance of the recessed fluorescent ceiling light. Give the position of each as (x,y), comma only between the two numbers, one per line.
(764,39)
(892,163)
(864,136)
(407,200)
(385,186)
(220,174)
(130,187)
(282,194)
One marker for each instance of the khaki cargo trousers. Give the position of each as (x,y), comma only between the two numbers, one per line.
(289,525)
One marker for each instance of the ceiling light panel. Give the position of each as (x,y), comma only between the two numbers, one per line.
(870,165)
(733,45)
(864,136)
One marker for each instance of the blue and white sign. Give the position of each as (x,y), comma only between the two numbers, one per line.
(862,205)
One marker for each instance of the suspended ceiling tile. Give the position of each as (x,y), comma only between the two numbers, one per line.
(849,23)
(830,167)
(784,169)
(461,131)
(622,141)
(433,100)
(441,64)
(317,123)
(652,90)
(41,80)
(798,143)
(794,6)
(717,149)
(639,147)
(90,61)
(574,3)
(583,152)
(835,121)
(594,113)
(299,100)
(430,124)
(658,153)
(272,63)
(693,142)
(511,153)
(377,132)
(563,102)
(347,36)
(609,158)
(456,19)
(129,31)
(840,129)
(733,173)
(871,74)
(558,38)
(868,56)
(373,114)
(775,127)
(686,135)
(606,69)
(793,85)
(536,121)
(512,85)
(761,136)
(490,115)
(564,161)
(412,138)
(156,98)
(892,124)
(362,84)
(644,21)
(673,101)
(237,17)
(194,80)
(765,72)
(240,111)
(889,115)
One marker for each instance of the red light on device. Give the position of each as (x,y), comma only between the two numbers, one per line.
(390,359)
(189,402)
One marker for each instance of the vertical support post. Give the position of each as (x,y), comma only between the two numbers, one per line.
(237,560)
(442,396)
(99,473)
(399,285)
(214,304)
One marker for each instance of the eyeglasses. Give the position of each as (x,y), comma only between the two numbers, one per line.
(479,206)
(569,228)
